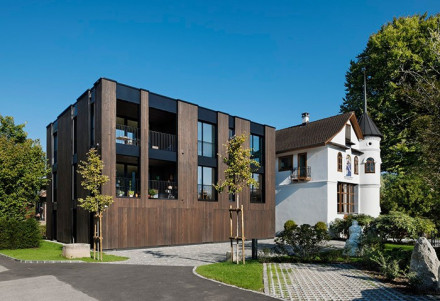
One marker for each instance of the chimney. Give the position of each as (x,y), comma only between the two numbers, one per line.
(305,118)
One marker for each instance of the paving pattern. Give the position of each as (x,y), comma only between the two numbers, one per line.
(299,281)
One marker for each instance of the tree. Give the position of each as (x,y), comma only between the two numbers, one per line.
(398,47)
(239,168)
(408,193)
(95,202)
(23,170)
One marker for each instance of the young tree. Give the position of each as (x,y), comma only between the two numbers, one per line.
(239,168)
(95,202)
(23,170)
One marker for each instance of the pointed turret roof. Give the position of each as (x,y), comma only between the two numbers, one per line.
(368,127)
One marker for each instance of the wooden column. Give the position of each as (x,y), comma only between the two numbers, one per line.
(144,131)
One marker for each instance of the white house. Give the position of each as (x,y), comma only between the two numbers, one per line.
(326,169)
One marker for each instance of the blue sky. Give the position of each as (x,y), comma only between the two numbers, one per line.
(267,61)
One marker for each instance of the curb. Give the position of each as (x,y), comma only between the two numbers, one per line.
(230,285)
(41,261)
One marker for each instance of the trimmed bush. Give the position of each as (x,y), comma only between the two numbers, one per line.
(16,234)
(305,241)
(289,225)
(396,225)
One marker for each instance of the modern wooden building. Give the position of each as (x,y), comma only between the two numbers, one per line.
(161,157)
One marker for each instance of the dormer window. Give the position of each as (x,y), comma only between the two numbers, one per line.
(370,166)
(348,135)
(339,162)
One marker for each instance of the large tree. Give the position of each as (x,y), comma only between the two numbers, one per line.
(397,49)
(22,170)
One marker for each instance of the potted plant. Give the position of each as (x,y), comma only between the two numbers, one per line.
(131,193)
(153,193)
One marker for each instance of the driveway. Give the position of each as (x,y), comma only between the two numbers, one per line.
(63,281)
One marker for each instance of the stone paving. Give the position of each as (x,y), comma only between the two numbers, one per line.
(300,281)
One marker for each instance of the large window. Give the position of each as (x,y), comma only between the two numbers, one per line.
(55,187)
(205,183)
(257,192)
(340,162)
(206,139)
(345,198)
(370,166)
(257,150)
(127,131)
(75,135)
(55,148)
(127,180)
(285,163)
(92,124)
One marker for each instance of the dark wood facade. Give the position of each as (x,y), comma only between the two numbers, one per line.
(140,221)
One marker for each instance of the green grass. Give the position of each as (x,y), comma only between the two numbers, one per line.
(249,276)
(52,251)
(397,246)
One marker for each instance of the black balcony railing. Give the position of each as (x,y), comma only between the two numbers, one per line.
(163,189)
(301,173)
(127,134)
(162,141)
(127,187)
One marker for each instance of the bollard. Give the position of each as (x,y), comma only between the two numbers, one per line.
(254,248)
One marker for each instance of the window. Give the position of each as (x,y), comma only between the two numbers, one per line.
(231,133)
(74,135)
(127,180)
(92,124)
(370,166)
(206,139)
(127,131)
(257,192)
(348,134)
(74,182)
(55,148)
(285,163)
(340,162)
(356,165)
(205,183)
(348,166)
(345,198)
(256,144)
(55,187)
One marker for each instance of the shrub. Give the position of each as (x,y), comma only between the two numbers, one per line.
(339,227)
(389,267)
(15,234)
(42,231)
(330,255)
(289,225)
(396,225)
(305,240)
(424,227)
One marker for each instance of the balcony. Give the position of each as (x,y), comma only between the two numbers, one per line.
(302,173)
(163,189)
(127,135)
(127,187)
(162,141)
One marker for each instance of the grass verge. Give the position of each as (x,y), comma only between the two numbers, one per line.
(249,276)
(52,251)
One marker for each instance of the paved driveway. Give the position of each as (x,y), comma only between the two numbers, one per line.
(63,281)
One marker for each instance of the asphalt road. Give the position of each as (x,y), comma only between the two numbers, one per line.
(78,281)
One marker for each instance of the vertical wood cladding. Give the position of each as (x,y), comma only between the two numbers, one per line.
(140,222)
(83,140)
(64,173)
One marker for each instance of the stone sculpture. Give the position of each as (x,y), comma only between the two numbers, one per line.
(352,243)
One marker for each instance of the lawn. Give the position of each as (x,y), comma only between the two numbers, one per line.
(52,251)
(398,246)
(249,276)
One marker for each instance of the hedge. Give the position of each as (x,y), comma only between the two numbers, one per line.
(16,234)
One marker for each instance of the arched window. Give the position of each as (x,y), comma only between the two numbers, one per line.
(356,165)
(369,166)
(340,162)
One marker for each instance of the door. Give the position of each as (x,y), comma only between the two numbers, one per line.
(302,165)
